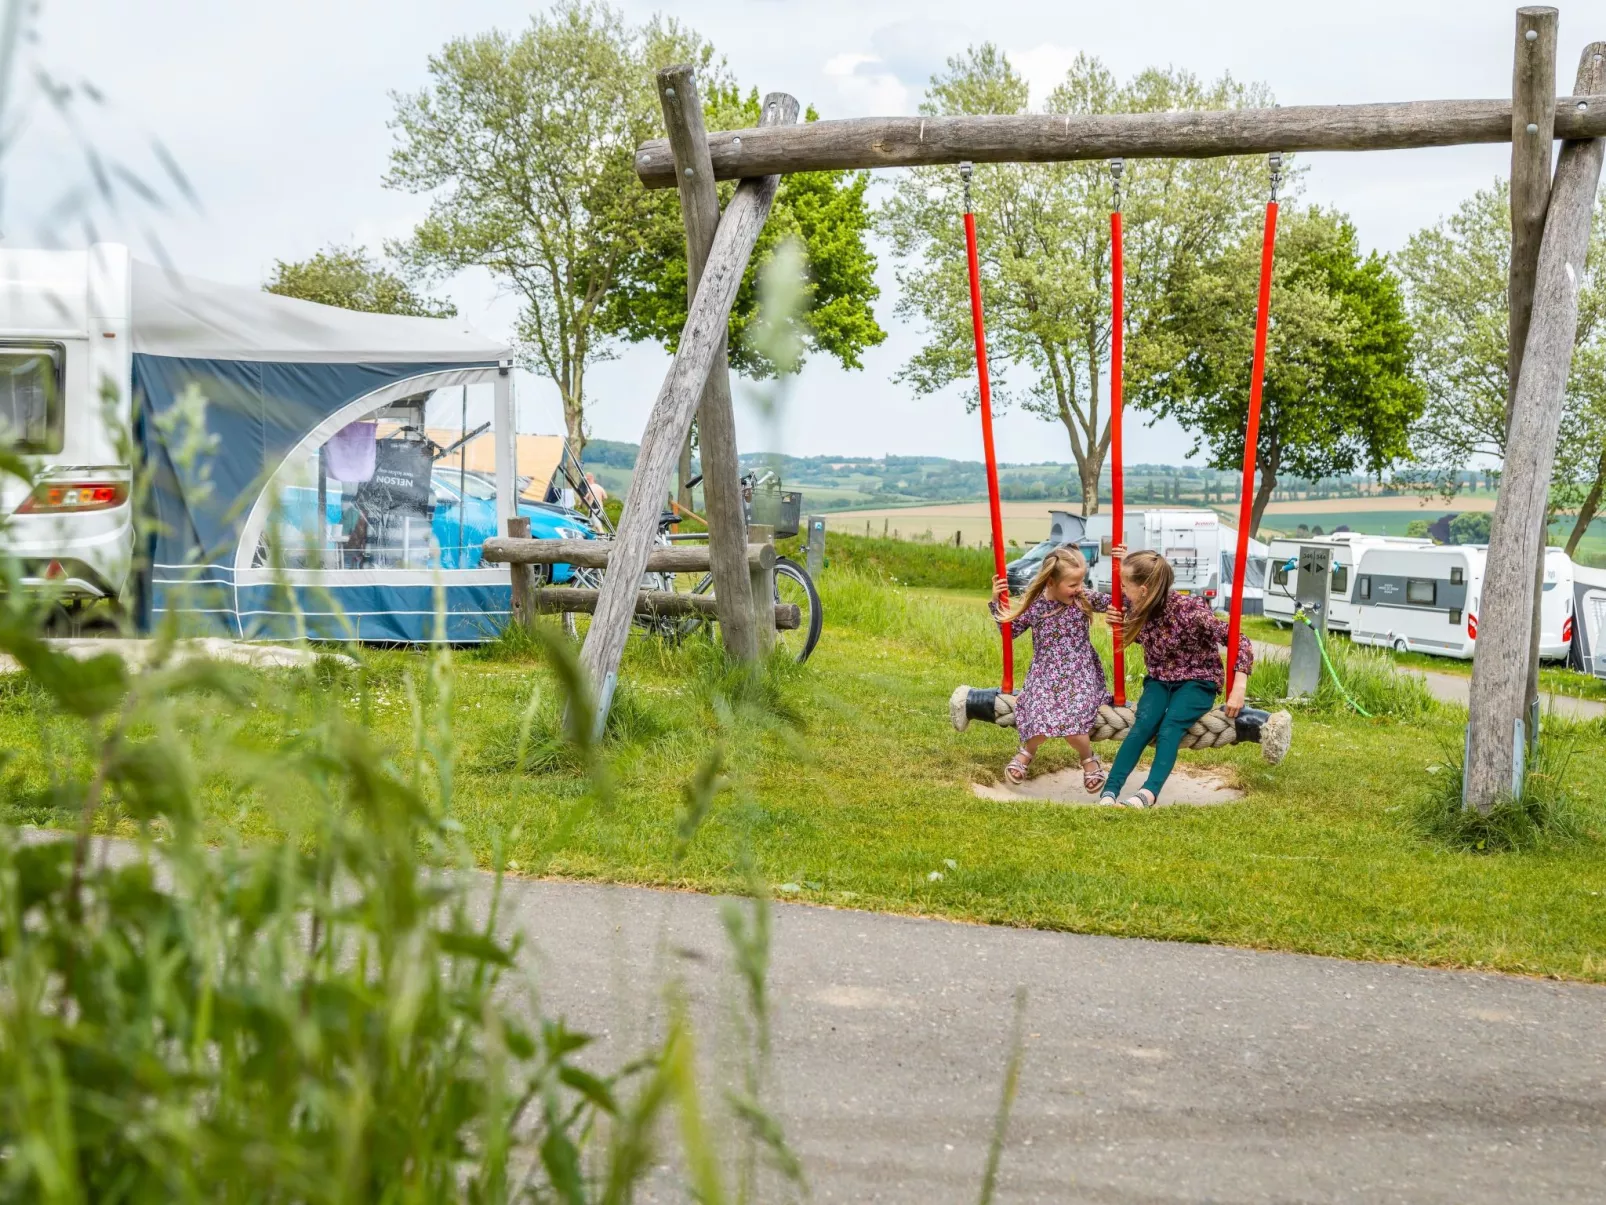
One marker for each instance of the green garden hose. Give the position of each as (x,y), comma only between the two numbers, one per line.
(1321,647)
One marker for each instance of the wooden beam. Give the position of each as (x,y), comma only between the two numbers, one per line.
(702,339)
(716,420)
(595,554)
(1533,123)
(762,581)
(1499,667)
(660,603)
(1052,138)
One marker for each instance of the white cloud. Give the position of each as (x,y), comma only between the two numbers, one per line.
(1044,67)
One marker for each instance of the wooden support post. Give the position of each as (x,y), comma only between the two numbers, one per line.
(518,528)
(702,341)
(1533,125)
(1499,667)
(716,420)
(873,142)
(762,578)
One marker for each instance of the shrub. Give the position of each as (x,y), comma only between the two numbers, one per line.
(1544,815)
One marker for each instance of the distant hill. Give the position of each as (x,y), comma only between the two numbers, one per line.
(853,482)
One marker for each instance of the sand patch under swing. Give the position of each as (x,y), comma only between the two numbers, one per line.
(1198,786)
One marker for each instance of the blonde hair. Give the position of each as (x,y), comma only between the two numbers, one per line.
(1056,565)
(1152,573)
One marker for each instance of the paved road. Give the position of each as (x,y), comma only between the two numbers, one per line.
(1154,1072)
(1454,688)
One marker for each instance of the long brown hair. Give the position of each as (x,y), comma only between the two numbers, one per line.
(1056,565)
(1152,572)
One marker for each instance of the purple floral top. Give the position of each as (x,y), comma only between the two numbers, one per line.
(1065,685)
(1182,640)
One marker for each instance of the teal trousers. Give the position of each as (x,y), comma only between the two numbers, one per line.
(1165,713)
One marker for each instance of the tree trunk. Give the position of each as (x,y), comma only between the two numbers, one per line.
(574,424)
(1590,506)
(1268,486)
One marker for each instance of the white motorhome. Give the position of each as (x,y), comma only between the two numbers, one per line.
(1425,600)
(65,356)
(1587,639)
(1346,548)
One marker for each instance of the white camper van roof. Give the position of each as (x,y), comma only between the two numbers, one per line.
(176,315)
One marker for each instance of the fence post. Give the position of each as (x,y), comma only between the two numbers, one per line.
(762,576)
(518,527)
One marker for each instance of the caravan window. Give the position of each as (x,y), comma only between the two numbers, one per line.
(1420,592)
(1341,580)
(31,396)
(1279,573)
(1364,585)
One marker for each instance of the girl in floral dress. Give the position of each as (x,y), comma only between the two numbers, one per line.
(1065,686)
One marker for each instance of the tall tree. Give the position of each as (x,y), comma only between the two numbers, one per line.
(1043,233)
(1456,274)
(1338,397)
(352,279)
(525,145)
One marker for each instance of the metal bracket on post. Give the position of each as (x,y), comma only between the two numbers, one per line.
(1117,167)
(965,170)
(1275,162)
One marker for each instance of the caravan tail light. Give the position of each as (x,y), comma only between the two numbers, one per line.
(1472,626)
(1567,630)
(66,497)
(1209,593)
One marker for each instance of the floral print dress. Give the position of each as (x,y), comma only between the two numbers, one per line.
(1065,686)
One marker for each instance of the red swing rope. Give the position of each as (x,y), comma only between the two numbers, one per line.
(1257,377)
(1008,684)
(1117,359)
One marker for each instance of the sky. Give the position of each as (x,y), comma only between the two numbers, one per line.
(277,115)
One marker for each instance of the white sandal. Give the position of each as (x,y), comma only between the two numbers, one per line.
(1018,765)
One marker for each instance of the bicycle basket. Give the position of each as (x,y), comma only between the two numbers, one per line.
(780,509)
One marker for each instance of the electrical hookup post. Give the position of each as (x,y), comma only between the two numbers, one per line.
(1007,685)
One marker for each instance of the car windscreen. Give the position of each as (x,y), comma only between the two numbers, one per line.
(31,396)
(473,485)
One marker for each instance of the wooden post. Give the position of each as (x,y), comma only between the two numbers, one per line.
(524,612)
(1533,124)
(1499,667)
(762,577)
(702,342)
(716,421)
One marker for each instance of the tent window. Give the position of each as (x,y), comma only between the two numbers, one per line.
(31,396)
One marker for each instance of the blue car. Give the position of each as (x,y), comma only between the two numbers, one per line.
(445,530)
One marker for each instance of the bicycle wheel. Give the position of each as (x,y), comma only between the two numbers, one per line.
(793,585)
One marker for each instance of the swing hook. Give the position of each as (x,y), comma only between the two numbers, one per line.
(1275,162)
(1117,166)
(965,170)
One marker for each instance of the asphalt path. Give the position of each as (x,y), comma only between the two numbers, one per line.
(1152,1071)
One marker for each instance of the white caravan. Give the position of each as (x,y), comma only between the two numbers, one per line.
(1587,646)
(65,356)
(1425,600)
(1346,547)
(1194,541)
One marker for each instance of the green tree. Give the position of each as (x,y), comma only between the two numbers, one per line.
(524,144)
(1044,243)
(826,212)
(1456,274)
(1338,393)
(1470,527)
(1417,529)
(350,278)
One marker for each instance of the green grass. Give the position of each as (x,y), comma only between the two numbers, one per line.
(1554,679)
(844,783)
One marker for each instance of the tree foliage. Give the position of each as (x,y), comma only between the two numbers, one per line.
(350,278)
(524,144)
(1456,275)
(826,212)
(1044,242)
(1338,394)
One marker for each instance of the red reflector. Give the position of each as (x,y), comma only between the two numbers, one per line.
(1567,630)
(1472,626)
(1210,593)
(60,497)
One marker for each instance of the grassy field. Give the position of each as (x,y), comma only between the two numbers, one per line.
(843,784)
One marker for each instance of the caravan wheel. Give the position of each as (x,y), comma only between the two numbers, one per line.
(1400,646)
